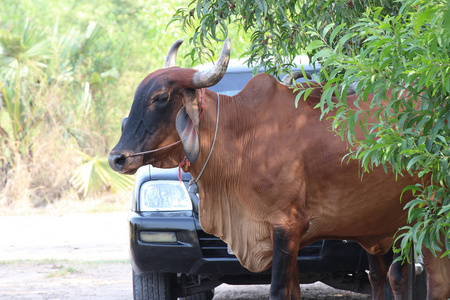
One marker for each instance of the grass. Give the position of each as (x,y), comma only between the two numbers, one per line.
(63,267)
(71,203)
(63,271)
(61,262)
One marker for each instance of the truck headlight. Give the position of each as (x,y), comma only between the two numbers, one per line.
(164,195)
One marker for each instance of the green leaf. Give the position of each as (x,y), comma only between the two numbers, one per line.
(327,28)
(377,13)
(335,32)
(96,79)
(423,16)
(314,45)
(447,17)
(413,161)
(346,37)
(413,189)
(307,92)
(325,53)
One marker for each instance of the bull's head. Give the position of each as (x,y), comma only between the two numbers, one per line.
(165,109)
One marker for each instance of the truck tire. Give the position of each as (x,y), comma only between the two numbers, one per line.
(200,296)
(157,286)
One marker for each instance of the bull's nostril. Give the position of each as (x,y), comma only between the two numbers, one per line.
(117,161)
(120,161)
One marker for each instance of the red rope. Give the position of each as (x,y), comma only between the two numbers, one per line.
(184,162)
(203,104)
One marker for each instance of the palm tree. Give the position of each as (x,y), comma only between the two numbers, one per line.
(22,64)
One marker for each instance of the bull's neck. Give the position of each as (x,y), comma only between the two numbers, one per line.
(207,132)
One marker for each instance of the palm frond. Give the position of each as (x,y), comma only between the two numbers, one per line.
(95,175)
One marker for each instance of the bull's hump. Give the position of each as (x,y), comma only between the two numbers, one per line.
(259,89)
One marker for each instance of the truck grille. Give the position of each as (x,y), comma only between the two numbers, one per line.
(213,247)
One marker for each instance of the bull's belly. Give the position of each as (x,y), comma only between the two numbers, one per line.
(369,207)
(354,227)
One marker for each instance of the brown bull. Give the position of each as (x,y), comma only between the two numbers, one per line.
(271,177)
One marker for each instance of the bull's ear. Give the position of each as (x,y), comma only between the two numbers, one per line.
(187,129)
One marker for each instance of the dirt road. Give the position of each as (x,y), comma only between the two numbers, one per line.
(85,257)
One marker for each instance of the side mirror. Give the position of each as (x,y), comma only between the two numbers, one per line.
(124,122)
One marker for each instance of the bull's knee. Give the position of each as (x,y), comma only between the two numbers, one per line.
(376,278)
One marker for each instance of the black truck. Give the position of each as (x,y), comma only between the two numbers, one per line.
(172,256)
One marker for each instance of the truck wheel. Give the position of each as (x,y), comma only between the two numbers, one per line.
(200,296)
(157,286)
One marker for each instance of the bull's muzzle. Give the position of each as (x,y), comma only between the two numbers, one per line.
(117,161)
(123,161)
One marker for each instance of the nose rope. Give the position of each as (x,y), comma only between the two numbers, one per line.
(155,150)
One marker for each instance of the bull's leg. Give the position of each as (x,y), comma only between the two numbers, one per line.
(377,275)
(438,275)
(285,285)
(295,292)
(398,278)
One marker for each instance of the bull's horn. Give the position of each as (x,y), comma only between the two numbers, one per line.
(289,79)
(211,77)
(171,59)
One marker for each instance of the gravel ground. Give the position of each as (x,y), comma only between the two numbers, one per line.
(85,256)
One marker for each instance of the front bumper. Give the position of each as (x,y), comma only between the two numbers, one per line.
(198,253)
(184,256)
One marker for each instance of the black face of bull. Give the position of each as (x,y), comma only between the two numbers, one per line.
(156,103)
(164,98)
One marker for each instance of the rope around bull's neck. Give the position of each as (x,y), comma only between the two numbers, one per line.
(212,146)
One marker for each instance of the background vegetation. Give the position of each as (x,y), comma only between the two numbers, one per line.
(68,70)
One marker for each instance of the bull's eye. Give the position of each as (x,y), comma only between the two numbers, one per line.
(160,98)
